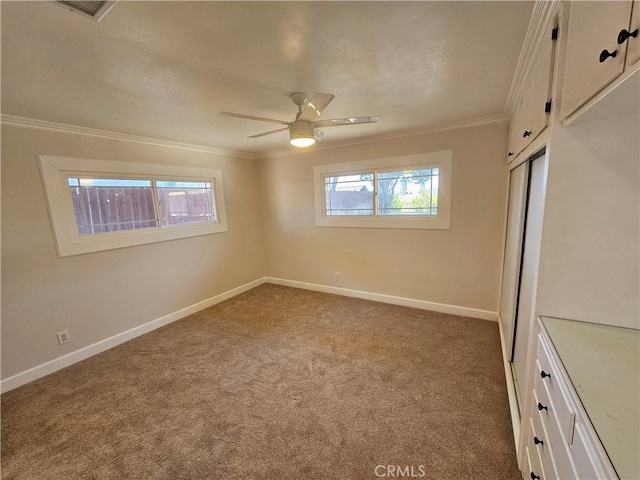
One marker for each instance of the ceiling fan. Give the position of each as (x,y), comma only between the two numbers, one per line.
(303,130)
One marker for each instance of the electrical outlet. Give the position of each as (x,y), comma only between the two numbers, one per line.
(63,337)
(337,276)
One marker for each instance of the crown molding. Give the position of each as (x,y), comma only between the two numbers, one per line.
(23,122)
(543,12)
(426,130)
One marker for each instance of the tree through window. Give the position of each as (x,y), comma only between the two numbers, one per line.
(408,191)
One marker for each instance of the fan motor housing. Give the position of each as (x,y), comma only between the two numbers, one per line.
(301,130)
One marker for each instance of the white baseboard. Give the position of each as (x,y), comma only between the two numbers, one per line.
(59,363)
(379,297)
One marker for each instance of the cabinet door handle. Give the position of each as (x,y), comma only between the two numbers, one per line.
(542,407)
(534,476)
(510,154)
(537,441)
(544,374)
(606,54)
(625,34)
(526,133)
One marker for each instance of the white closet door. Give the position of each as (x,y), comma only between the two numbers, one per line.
(525,313)
(513,252)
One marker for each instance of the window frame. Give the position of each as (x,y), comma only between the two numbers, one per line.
(55,172)
(443,160)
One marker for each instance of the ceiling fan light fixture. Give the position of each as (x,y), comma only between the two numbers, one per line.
(301,134)
(303,131)
(302,141)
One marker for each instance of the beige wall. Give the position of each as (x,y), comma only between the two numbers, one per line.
(458,267)
(102,294)
(272,232)
(590,256)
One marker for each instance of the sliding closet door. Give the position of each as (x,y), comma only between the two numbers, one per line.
(525,311)
(518,183)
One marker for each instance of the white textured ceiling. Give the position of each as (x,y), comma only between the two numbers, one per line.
(165,69)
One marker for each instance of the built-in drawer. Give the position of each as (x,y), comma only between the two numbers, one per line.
(583,457)
(531,472)
(546,410)
(555,391)
(535,441)
(543,443)
(535,466)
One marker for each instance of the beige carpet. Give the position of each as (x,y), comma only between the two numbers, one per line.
(276,383)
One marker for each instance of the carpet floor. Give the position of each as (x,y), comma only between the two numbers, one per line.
(275,383)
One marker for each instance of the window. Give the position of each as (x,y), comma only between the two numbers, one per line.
(350,194)
(184,203)
(108,205)
(104,205)
(411,191)
(99,205)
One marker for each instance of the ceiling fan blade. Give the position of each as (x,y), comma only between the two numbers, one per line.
(315,107)
(336,122)
(268,133)
(251,117)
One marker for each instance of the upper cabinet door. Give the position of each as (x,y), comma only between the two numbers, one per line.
(633,52)
(530,114)
(537,91)
(514,139)
(593,57)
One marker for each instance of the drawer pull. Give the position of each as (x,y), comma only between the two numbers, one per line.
(534,476)
(542,407)
(537,441)
(510,154)
(526,133)
(544,374)
(606,54)
(625,34)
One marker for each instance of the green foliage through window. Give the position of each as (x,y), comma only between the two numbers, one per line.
(398,192)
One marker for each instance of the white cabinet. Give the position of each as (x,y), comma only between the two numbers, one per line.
(559,445)
(514,139)
(531,111)
(597,39)
(574,412)
(633,47)
(597,373)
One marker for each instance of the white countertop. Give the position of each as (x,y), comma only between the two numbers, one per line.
(603,363)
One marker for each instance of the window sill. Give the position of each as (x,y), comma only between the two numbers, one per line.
(434,223)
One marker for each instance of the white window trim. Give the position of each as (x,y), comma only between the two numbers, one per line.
(54,172)
(442,160)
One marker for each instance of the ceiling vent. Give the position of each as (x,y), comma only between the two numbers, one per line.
(94,10)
